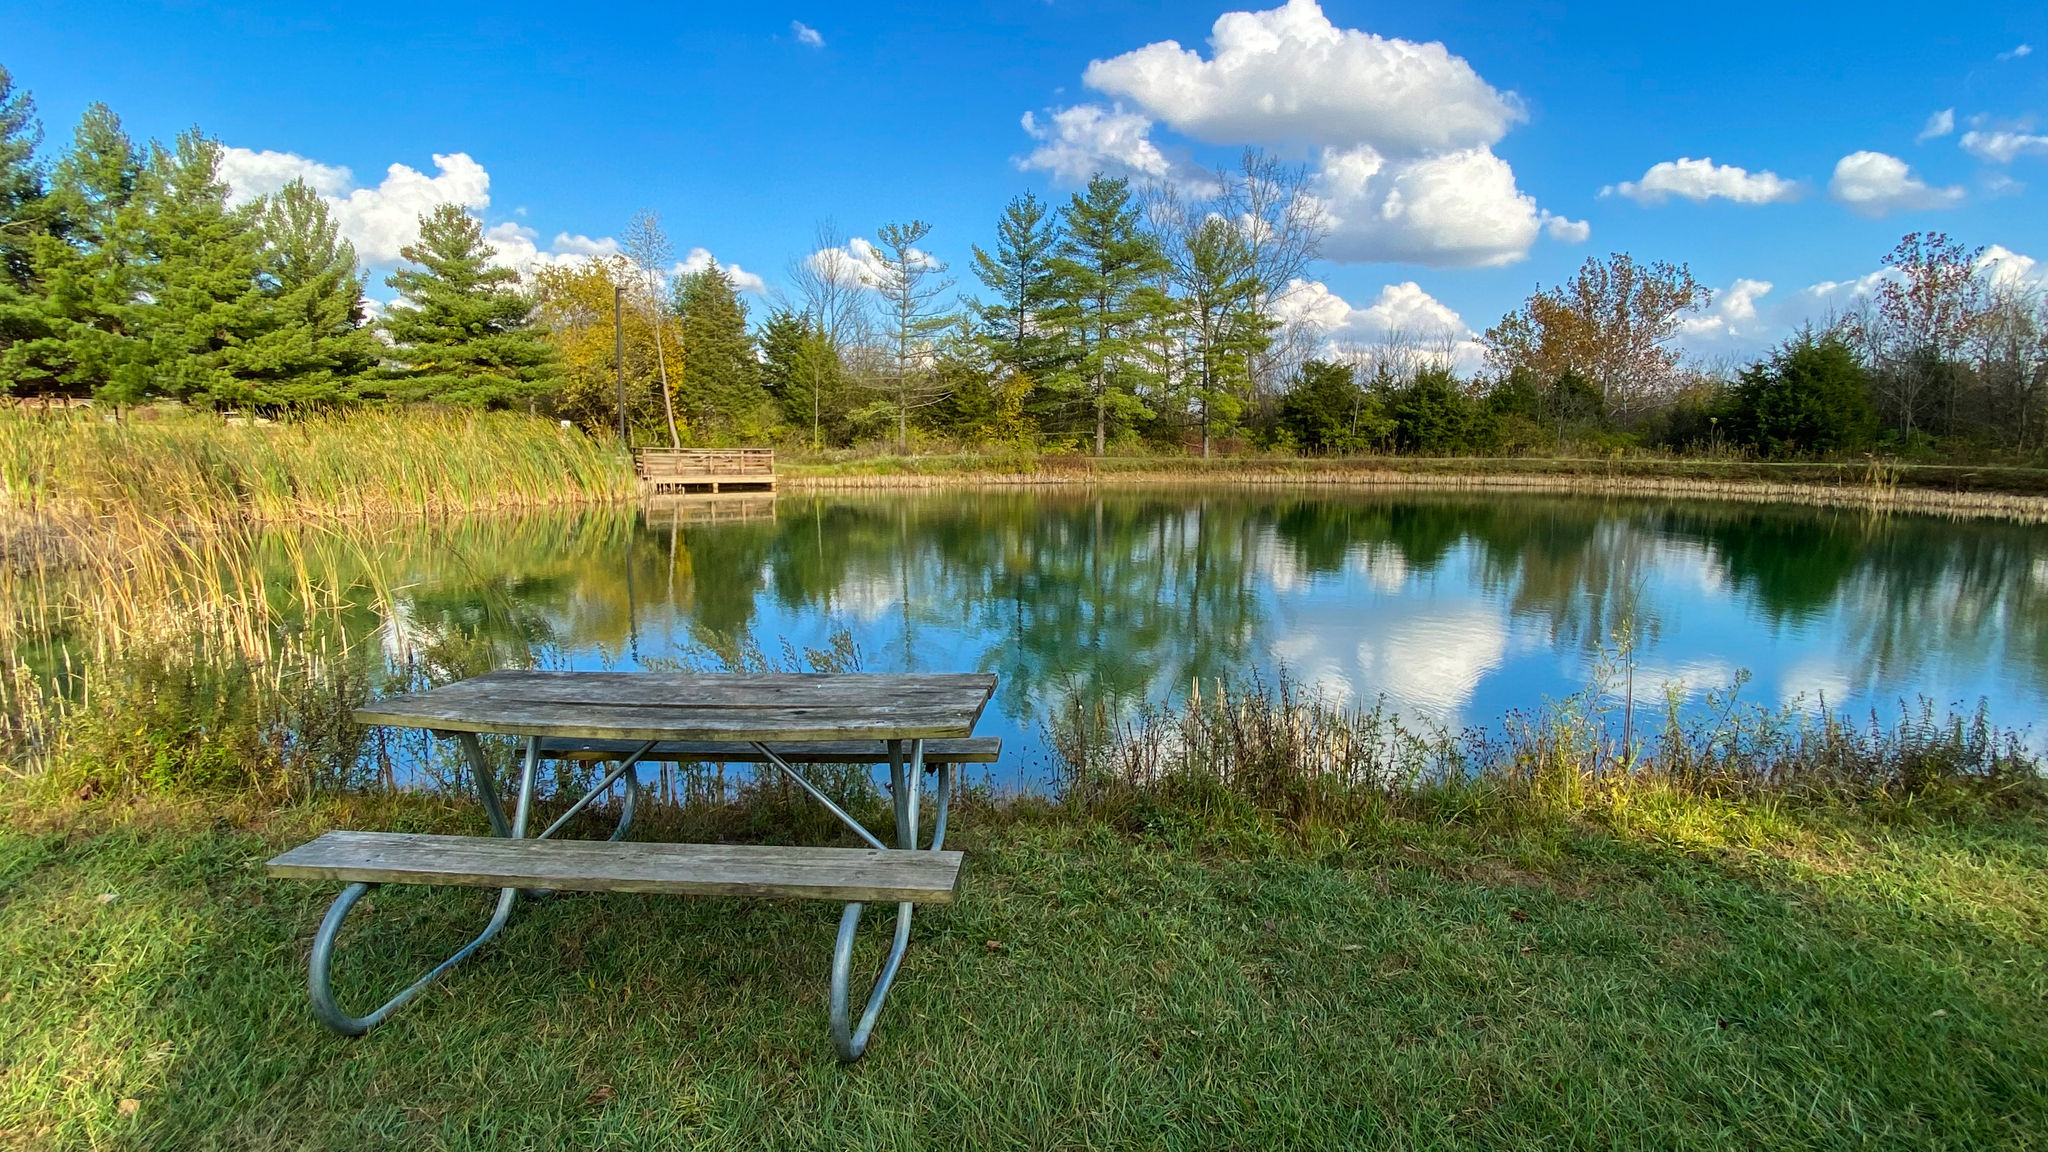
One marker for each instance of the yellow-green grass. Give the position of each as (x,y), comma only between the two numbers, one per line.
(186,467)
(1506,980)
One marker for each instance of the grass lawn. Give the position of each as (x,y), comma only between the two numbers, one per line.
(1684,980)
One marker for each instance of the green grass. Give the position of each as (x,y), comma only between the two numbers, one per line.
(1696,476)
(1407,982)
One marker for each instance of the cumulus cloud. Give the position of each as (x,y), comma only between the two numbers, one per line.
(2007,269)
(1403,311)
(2003,147)
(250,174)
(1701,180)
(700,258)
(1733,315)
(806,35)
(1875,184)
(1457,210)
(1075,143)
(1288,77)
(382,220)
(1401,132)
(1938,124)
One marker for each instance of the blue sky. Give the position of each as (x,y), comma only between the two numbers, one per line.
(1463,146)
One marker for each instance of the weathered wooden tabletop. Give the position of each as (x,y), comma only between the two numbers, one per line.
(697,706)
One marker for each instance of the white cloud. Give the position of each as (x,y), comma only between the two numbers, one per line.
(1288,77)
(2009,269)
(1566,231)
(1875,184)
(2003,147)
(806,35)
(2018,53)
(1701,180)
(383,219)
(250,174)
(1404,310)
(1080,141)
(1401,132)
(1938,125)
(1455,210)
(701,258)
(1733,315)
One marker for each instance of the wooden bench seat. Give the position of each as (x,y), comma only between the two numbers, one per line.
(975,750)
(844,874)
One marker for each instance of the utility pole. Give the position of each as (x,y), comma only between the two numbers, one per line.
(619,352)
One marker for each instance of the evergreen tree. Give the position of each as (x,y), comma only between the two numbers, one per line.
(1325,411)
(460,331)
(86,266)
(199,271)
(1811,395)
(800,370)
(1020,275)
(314,349)
(1224,326)
(1106,265)
(910,284)
(24,215)
(721,380)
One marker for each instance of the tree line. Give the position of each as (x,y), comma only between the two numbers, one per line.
(1123,319)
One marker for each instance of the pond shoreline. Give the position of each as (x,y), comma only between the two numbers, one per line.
(2023,507)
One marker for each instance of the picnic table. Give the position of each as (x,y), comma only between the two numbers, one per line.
(910,722)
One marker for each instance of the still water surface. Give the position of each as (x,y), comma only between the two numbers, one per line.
(1454,608)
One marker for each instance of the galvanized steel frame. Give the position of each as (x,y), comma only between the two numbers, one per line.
(850,1040)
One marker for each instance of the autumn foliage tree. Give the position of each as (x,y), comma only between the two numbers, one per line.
(1611,323)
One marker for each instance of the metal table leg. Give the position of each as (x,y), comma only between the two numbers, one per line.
(907,784)
(320,984)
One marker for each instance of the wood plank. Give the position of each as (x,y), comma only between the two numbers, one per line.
(850,874)
(977,750)
(697,706)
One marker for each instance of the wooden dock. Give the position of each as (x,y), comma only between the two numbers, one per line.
(705,469)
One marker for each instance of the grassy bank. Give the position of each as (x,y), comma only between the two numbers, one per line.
(1505,981)
(185,468)
(1992,491)
(1252,922)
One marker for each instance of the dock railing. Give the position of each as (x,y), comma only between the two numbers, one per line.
(705,469)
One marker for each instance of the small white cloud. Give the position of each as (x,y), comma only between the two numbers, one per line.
(2019,53)
(2006,268)
(1077,142)
(1566,231)
(1875,184)
(1938,125)
(806,35)
(2003,147)
(250,174)
(1404,310)
(1733,315)
(701,258)
(1702,180)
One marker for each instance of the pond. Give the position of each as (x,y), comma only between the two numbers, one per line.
(1450,608)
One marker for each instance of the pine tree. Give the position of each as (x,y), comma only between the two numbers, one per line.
(1220,293)
(721,380)
(314,349)
(800,370)
(1020,274)
(1105,265)
(199,271)
(460,332)
(910,285)
(87,268)
(24,215)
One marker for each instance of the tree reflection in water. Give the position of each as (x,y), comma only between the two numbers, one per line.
(1131,595)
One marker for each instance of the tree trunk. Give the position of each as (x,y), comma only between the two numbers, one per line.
(1101,415)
